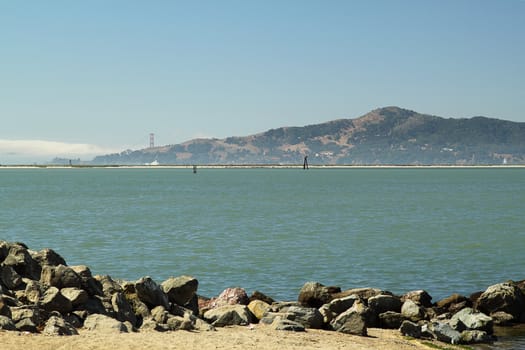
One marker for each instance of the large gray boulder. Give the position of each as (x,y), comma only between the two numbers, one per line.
(336,307)
(350,322)
(180,290)
(473,320)
(309,317)
(412,311)
(444,332)
(228,315)
(506,297)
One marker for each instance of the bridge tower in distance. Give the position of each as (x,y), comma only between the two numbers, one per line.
(151,140)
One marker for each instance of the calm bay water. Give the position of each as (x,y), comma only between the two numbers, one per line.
(442,230)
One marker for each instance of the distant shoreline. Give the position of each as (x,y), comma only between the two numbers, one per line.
(261,166)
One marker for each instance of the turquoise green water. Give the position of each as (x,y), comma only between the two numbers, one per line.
(442,230)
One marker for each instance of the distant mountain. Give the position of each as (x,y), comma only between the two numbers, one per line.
(388,135)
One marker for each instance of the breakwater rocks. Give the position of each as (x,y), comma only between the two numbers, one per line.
(40,293)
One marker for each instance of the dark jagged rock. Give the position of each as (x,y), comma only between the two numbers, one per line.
(58,326)
(9,277)
(54,300)
(123,309)
(410,329)
(350,322)
(447,302)
(48,257)
(363,293)
(384,302)
(109,286)
(7,323)
(60,276)
(336,307)
(94,305)
(390,320)
(77,296)
(4,308)
(19,258)
(150,292)
(88,282)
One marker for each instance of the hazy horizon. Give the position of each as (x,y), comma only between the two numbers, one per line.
(84,79)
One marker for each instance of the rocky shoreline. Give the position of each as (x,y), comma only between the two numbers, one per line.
(40,293)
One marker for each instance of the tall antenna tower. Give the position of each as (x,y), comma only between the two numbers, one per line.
(151,140)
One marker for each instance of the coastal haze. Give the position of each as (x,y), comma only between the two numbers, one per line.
(80,80)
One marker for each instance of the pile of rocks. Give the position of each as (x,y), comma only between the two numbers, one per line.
(456,319)
(40,293)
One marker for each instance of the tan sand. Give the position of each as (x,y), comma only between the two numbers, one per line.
(255,337)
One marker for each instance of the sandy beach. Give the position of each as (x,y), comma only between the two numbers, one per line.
(252,337)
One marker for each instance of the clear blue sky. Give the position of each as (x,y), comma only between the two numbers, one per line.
(101,75)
